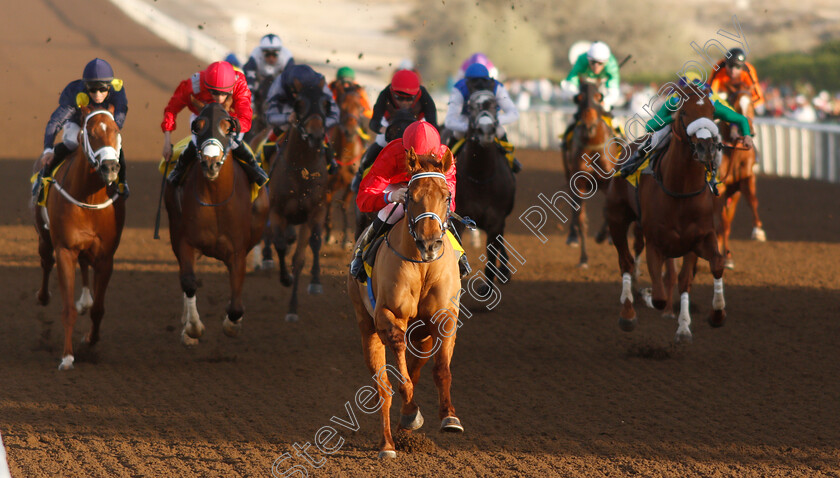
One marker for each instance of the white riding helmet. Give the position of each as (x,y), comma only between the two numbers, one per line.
(271,42)
(598,51)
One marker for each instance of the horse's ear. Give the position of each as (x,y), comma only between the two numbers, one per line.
(411,161)
(446,161)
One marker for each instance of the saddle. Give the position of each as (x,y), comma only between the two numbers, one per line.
(46,182)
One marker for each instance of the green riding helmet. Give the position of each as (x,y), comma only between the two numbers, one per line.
(345,73)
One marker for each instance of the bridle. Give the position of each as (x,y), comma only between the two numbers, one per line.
(710,166)
(312,110)
(411,221)
(105,153)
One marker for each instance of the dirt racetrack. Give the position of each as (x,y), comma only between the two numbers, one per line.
(546,384)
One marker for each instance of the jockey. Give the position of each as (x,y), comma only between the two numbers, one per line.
(346,77)
(457,120)
(268,59)
(384,188)
(279,107)
(404,92)
(99,88)
(599,64)
(659,125)
(734,69)
(218,83)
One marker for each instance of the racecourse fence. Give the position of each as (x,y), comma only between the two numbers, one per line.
(786,148)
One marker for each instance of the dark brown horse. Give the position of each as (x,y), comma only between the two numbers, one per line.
(82,222)
(590,144)
(346,138)
(737,173)
(212,214)
(486,185)
(675,207)
(415,283)
(299,190)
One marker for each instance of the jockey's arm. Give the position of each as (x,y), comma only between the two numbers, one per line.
(757,94)
(379,111)
(250,71)
(276,111)
(371,195)
(179,100)
(723,112)
(572,82)
(120,101)
(663,117)
(65,111)
(242,104)
(333,115)
(509,113)
(368,111)
(455,120)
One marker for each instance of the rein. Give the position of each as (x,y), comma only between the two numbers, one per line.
(444,225)
(658,176)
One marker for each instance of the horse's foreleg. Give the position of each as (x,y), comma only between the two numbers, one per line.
(627,319)
(315,286)
(726,218)
(504,259)
(655,261)
(582,229)
(670,281)
(66,282)
(445,333)
(373,350)
(45,250)
(638,248)
(345,206)
(394,338)
(232,325)
(574,227)
(298,261)
(708,250)
(419,353)
(193,328)
(85,298)
(101,276)
(748,187)
(281,244)
(684,319)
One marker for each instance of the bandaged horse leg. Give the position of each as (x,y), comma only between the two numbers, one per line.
(683,334)
(708,250)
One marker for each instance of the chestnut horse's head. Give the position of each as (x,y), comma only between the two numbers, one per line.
(694,123)
(483,112)
(102,142)
(213,129)
(739,96)
(350,110)
(589,106)
(312,106)
(398,122)
(427,201)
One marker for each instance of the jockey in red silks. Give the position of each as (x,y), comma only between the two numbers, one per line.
(384,188)
(219,83)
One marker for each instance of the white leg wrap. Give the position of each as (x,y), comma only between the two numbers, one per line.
(684,320)
(190,314)
(66,363)
(636,267)
(85,301)
(718,303)
(626,288)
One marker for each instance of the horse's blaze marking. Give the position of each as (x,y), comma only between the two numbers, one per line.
(700,101)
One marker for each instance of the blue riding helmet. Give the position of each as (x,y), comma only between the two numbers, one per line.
(476,70)
(685,82)
(98,70)
(233,60)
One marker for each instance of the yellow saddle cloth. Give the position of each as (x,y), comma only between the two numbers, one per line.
(506,145)
(46,182)
(369,266)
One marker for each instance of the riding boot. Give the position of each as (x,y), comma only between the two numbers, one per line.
(122,185)
(632,163)
(464,266)
(60,151)
(249,162)
(367,161)
(184,160)
(357,266)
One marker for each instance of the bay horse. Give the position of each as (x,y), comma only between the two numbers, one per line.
(486,184)
(82,223)
(675,207)
(589,149)
(211,214)
(299,190)
(737,173)
(415,284)
(346,138)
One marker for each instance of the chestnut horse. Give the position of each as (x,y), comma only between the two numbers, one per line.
(415,285)
(212,214)
(486,185)
(590,144)
(675,206)
(349,145)
(299,190)
(83,223)
(737,174)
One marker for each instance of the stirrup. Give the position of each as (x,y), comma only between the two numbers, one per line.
(357,267)
(464,266)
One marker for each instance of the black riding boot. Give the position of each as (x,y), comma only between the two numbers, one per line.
(376,228)
(60,151)
(122,185)
(184,160)
(635,159)
(252,168)
(367,161)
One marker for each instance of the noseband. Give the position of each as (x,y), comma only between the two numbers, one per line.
(313,110)
(444,224)
(105,153)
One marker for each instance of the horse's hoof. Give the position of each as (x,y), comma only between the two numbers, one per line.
(411,422)
(266,265)
(292,318)
(66,363)
(187,340)
(729,263)
(583,265)
(483,290)
(43,299)
(669,316)
(451,425)
(573,242)
(758,234)
(647,296)
(194,330)
(286,280)
(683,337)
(628,325)
(85,302)
(385,454)
(315,289)
(231,328)
(717,318)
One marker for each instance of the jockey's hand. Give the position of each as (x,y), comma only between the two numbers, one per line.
(293,118)
(167,150)
(45,159)
(397,196)
(748,142)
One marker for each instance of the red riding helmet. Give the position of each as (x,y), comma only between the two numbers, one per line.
(405,82)
(219,76)
(421,136)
